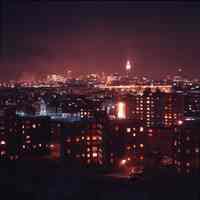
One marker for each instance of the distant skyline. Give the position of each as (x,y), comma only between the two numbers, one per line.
(38,38)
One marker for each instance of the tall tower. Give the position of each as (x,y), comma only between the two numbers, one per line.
(43,109)
(128,68)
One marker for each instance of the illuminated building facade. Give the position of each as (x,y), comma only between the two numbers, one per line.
(156,109)
(24,137)
(10,140)
(192,103)
(83,143)
(125,139)
(35,133)
(187,146)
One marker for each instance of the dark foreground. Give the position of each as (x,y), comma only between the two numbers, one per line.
(35,180)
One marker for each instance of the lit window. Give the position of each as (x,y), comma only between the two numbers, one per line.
(123,162)
(34,125)
(141,145)
(196,150)
(82,137)
(88,155)
(40,145)
(68,139)
(180,122)
(94,155)
(88,138)
(141,129)
(94,138)
(134,146)
(188,138)
(3,153)
(141,157)
(134,134)
(128,130)
(187,164)
(94,148)
(88,149)
(3,142)
(128,148)
(77,139)
(28,137)
(175,143)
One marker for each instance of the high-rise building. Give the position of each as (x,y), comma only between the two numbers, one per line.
(187,146)
(128,68)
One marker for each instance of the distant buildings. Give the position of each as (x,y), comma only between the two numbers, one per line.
(102,121)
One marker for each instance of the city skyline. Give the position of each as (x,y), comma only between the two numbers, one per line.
(159,38)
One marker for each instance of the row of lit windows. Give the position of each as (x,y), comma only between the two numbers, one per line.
(88,138)
(134,146)
(188,151)
(88,155)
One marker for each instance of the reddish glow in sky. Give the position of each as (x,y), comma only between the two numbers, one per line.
(93,37)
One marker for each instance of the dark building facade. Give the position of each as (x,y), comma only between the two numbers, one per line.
(187,146)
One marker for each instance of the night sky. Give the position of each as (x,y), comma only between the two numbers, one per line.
(37,38)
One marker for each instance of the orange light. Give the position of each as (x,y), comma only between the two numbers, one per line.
(141,157)
(94,138)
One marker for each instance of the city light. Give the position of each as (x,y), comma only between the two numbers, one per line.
(180,122)
(121,110)
(123,162)
(128,65)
